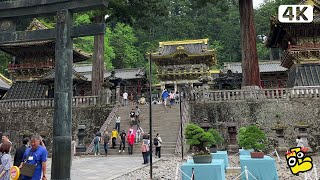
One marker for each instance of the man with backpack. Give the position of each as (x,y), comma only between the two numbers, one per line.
(96,142)
(157,141)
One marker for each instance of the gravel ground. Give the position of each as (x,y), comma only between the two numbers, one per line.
(165,169)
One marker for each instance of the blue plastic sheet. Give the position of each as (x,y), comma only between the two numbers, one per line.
(211,171)
(260,168)
(245,152)
(221,155)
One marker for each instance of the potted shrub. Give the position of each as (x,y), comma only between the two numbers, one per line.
(218,140)
(251,137)
(197,137)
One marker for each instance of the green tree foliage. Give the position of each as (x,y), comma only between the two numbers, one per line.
(4,61)
(122,40)
(217,136)
(86,44)
(251,137)
(196,136)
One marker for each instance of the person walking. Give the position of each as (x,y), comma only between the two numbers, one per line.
(96,142)
(165,95)
(5,158)
(106,141)
(19,152)
(138,134)
(36,155)
(144,150)
(123,136)
(157,141)
(118,120)
(171,98)
(137,114)
(177,97)
(125,98)
(132,116)
(130,143)
(114,135)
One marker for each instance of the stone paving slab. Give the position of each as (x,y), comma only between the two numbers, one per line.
(101,167)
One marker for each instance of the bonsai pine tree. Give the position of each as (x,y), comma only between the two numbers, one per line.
(196,136)
(217,136)
(252,137)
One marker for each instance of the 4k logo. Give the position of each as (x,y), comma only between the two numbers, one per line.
(295,13)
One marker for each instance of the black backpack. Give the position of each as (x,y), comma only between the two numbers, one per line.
(155,141)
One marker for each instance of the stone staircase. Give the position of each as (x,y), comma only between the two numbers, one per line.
(165,121)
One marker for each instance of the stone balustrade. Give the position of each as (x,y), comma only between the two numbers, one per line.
(204,95)
(47,102)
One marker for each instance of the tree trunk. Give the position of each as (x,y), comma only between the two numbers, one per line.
(250,66)
(98,60)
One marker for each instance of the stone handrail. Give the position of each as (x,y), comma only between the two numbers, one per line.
(104,126)
(203,95)
(185,116)
(47,102)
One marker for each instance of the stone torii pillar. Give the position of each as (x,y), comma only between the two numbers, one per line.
(63,34)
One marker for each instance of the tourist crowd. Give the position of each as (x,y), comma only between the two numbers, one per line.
(131,137)
(30,158)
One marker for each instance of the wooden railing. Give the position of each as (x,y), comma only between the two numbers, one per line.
(48,102)
(201,95)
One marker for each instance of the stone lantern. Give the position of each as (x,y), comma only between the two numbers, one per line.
(81,133)
(232,130)
(303,133)
(279,129)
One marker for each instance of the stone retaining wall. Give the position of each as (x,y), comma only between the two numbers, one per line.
(265,114)
(21,122)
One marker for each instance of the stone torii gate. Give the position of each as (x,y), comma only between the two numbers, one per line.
(63,34)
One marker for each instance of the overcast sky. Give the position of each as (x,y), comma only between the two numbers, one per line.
(256,3)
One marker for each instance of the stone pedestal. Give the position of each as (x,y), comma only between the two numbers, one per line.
(303,133)
(281,147)
(81,133)
(233,146)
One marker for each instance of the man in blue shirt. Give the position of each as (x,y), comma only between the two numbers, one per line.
(165,95)
(36,155)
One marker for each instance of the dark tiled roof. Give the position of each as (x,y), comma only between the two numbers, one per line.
(132,73)
(264,66)
(304,75)
(51,75)
(129,73)
(26,90)
(47,46)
